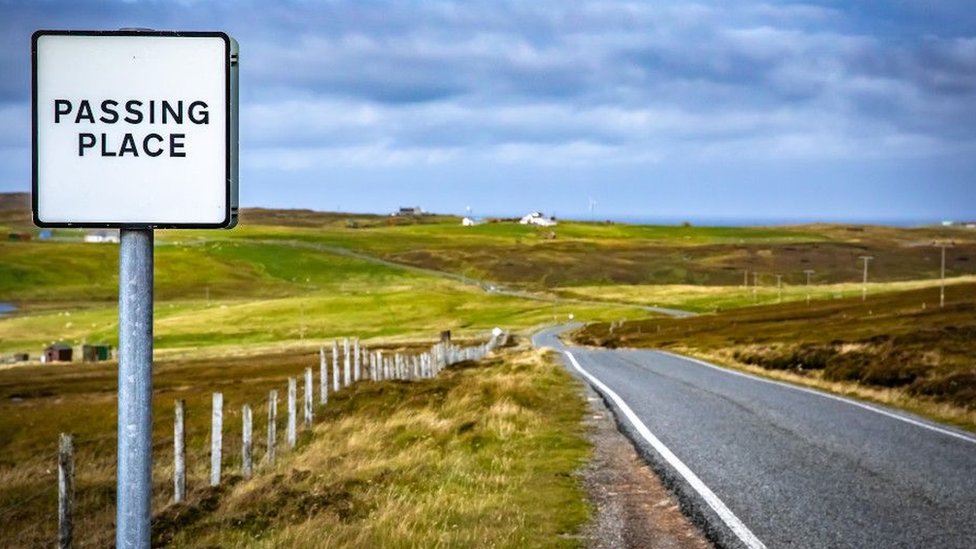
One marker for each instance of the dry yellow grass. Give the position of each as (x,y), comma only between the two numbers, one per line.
(482,456)
(893,397)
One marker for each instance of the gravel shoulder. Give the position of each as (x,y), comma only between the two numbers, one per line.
(633,509)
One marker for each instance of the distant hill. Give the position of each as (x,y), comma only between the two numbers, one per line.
(15,201)
(15,211)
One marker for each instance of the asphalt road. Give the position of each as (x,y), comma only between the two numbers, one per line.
(764,464)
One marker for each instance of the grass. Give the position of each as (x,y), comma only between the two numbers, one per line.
(482,456)
(466,460)
(898,348)
(387,311)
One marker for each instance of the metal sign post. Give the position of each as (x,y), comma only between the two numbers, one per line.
(135,130)
(134,485)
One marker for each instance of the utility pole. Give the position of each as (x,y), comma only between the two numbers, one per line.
(779,288)
(745,280)
(809,273)
(942,245)
(755,287)
(864,284)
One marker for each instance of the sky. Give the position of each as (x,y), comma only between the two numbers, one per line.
(724,110)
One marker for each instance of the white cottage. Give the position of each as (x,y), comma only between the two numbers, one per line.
(536,218)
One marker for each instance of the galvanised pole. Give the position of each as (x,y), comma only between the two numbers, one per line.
(134,482)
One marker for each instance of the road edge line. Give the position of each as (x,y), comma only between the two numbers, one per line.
(724,513)
(824,394)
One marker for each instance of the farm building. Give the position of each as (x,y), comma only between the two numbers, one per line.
(96,352)
(16,357)
(469,222)
(414,211)
(59,352)
(536,218)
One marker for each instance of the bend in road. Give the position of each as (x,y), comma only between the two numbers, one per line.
(797,467)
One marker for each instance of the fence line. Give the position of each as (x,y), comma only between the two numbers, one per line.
(359,364)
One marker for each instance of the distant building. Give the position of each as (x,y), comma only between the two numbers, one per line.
(413,211)
(102,235)
(947,223)
(536,218)
(96,352)
(471,222)
(18,237)
(59,352)
(16,357)
(971,225)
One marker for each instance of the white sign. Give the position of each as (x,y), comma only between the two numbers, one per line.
(134,129)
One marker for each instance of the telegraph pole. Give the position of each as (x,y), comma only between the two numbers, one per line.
(779,288)
(864,284)
(942,245)
(755,287)
(809,273)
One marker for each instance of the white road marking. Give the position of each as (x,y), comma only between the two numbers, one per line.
(826,395)
(729,518)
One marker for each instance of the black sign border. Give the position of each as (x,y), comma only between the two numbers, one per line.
(227,130)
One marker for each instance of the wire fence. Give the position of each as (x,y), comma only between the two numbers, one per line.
(39,520)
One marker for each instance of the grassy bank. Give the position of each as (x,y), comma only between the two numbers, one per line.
(482,456)
(898,348)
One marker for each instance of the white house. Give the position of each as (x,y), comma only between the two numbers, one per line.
(469,222)
(102,236)
(536,218)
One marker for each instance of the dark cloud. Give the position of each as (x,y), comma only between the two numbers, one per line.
(597,81)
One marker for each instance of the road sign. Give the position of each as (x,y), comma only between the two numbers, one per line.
(134,129)
(137,130)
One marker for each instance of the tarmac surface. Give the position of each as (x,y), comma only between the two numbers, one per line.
(759,464)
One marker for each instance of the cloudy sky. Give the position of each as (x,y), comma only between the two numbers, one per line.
(709,110)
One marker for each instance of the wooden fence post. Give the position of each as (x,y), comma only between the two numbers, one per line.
(345,363)
(292,389)
(335,366)
(323,378)
(247,445)
(179,453)
(66,490)
(216,438)
(356,357)
(308,397)
(272,426)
